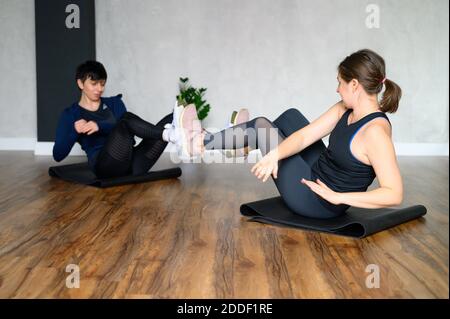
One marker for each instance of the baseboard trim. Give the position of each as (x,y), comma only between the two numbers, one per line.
(421,149)
(17,143)
(46,148)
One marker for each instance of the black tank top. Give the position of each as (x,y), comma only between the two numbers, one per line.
(336,166)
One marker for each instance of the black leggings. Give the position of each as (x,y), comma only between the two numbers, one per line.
(297,196)
(119,157)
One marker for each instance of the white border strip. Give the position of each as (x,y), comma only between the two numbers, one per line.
(17,144)
(46,148)
(421,149)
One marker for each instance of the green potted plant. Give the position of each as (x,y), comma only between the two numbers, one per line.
(190,95)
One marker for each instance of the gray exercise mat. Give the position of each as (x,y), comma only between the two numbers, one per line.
(356,222)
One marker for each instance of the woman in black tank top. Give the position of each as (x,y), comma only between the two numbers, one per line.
(322,182)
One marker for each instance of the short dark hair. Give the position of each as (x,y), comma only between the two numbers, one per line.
(93,70)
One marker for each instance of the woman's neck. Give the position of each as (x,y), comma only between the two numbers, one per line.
(365,107)
(89,104)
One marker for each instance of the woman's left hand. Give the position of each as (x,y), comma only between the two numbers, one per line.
(323,191)
(90,128)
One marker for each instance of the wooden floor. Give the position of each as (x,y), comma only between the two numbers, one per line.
(185,238)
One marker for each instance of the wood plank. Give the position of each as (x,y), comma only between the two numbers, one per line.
(185,238)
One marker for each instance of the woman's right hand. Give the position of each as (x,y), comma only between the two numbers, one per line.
(267,166)
(79,126)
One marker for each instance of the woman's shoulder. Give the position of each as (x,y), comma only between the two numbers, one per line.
(114,101)
(116,105)
(378,126)
(112,98)
(70,110)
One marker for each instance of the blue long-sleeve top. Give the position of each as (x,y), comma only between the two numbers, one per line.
(67,136)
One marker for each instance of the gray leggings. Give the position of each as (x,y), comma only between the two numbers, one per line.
(297,196)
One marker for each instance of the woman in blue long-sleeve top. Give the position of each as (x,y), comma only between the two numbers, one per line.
(105,129)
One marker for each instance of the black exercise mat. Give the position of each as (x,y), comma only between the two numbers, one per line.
(356,222)
(82,174)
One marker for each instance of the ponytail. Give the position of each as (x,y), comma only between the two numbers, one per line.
(391,97)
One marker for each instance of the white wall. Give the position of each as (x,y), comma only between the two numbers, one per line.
(17,69)
(269,55)
(262,54)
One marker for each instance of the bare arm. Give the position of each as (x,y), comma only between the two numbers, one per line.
(311,133)
(298,141)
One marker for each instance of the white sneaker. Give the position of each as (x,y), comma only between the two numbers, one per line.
(191,133)
(177,109)
(172,134)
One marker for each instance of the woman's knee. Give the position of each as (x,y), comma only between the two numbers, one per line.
(262,121)
(127,114)
(127,118)
(291,120)
(121,128)
(165,120)
(292,113)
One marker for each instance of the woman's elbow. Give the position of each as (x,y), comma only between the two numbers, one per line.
(58,156)
(397,199)
(392,197)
